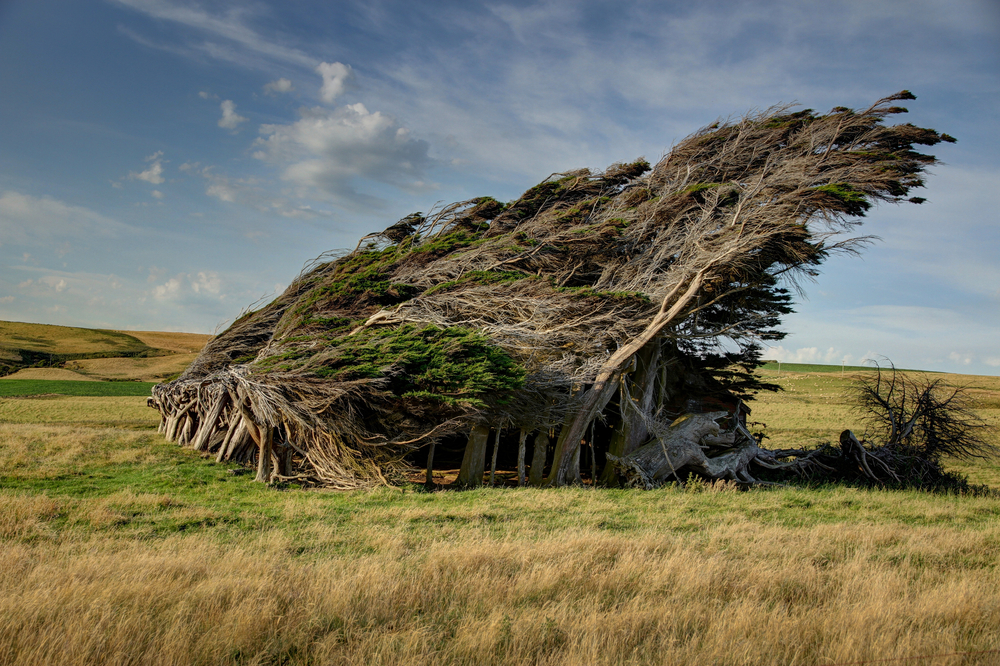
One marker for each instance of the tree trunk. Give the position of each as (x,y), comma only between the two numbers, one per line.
(429,477)
(640,393)
(520,457)
(606,382)
(474,460)
(208,424)
(536,475)
(493,462)
(683,445)
(264,464)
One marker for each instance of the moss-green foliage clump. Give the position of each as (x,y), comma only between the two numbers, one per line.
(443,363)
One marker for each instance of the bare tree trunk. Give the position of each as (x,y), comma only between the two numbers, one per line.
(536,475)
(209,423)
(429,477)
(641,392)
(493,462)
(474,460)
(606,382)
(264,464)
(520,457)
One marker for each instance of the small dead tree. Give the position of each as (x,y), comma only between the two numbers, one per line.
(913,422)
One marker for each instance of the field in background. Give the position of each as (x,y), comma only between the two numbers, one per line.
(120,548)
(145,356)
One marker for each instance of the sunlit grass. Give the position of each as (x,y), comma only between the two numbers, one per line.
(120,548)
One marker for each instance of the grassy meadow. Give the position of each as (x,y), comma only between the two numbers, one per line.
(147,356)
(120,548)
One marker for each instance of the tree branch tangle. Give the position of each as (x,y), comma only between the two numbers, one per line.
(595,304)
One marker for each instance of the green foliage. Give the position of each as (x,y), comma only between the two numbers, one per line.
(480,277)
(844,197)
(424,361)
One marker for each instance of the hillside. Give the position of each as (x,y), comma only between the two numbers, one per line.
(95,354)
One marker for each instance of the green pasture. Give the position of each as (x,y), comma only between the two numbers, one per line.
(34,387)
(85,451)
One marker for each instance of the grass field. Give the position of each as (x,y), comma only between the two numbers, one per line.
(120,548)
(66,339)
(33,387)
(147,356)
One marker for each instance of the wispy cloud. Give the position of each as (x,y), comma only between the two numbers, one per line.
(231,24)
(41,221)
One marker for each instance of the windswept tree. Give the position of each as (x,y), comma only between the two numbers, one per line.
(597,309)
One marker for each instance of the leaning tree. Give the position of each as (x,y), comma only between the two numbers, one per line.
(622,310)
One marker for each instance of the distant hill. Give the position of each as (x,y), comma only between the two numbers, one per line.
(818,367)
(100,354)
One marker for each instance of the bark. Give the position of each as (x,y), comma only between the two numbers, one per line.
(429,477)
(685,445)
(536,475)
(265,467)
(640,390)
(209,423)
(493,462)
(520,457)
(474,460)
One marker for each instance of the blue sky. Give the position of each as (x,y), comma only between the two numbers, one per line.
(166,163)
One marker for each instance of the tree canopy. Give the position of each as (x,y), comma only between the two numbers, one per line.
(647,285)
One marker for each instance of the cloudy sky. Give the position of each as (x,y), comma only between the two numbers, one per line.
(166,163)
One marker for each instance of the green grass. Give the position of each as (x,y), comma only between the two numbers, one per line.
(29,387)
(141,487)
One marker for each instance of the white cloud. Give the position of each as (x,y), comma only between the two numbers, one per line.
(328,151)
(157,194)
(336,77)
(154,174)
(187,286)
(829,356)
(168,289)
(230,119)
(964,359)
(206,282)
(7,299)
(278,86)
(222,192)
(993,361)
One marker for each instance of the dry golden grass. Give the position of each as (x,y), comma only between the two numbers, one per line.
(58,374)
(153,369)
(738,593)
(50,451)
(181,343)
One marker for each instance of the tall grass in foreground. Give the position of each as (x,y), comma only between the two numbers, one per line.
(118,548)
(740,593)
